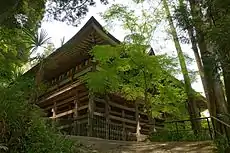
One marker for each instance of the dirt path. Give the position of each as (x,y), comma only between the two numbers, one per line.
(111,146)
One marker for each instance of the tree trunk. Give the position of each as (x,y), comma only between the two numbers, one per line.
(226,75)
(198,60)
(217,103)
(192,37)
(192,108)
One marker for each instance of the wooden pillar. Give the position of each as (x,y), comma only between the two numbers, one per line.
(75,115)
(137,116)
(123,126)
(107,117)
(91,108)
(90,114)
(54,111)
(152,123)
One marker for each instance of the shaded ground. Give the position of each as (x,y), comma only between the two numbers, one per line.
(98,145)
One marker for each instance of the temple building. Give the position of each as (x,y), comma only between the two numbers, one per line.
(68,101)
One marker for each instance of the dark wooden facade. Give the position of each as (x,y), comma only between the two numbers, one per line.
(69,102)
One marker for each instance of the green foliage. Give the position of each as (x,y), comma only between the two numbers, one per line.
(141,26)
(15,13)
(128,69)
(222,144)
(39,39)
(70,11)
(131,72)
(218,32)
(21,126)
(182,131)
(167,135)
(13,52)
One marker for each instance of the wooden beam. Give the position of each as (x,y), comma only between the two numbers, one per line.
(118,105)
(60,92)
(121,106)
(116,113)
(99,109)
(84,71)
(69,112)
(69,100)
(122,119)
(98,114)
(61,103)
(85,116)
(63,114)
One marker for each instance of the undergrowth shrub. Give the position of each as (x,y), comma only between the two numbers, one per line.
(167,135)
(22,127)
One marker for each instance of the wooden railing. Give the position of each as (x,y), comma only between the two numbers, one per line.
(212,128)
(101,128)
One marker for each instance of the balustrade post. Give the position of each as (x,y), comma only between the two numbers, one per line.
(209,128)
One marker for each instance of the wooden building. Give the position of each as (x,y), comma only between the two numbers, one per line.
(69,102)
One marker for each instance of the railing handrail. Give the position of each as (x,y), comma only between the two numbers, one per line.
(222,122)
(201,118)
(187,120)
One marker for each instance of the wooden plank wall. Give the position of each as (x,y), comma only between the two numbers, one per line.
(68,99)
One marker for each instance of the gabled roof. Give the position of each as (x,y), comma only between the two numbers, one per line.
(76,49)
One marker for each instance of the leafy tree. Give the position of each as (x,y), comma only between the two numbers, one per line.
(15,16)
(15,13)
(29,12)
(129,69)
(192,108)
(218,16)
(200,20)
(70,11)
(141,28)
(182,14)
(21,126)
(13,52)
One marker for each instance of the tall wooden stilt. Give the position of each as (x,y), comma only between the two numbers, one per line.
(123,126)
(90,114)
(75,115)
(152,123)
(107,116)
(137,116)
(91,108)
(54,111)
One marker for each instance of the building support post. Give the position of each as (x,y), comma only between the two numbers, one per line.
(137,116)
(90,114)
(107,128)
(54,111)
(123,126)
(91,107)
(152,123)
(75,115)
